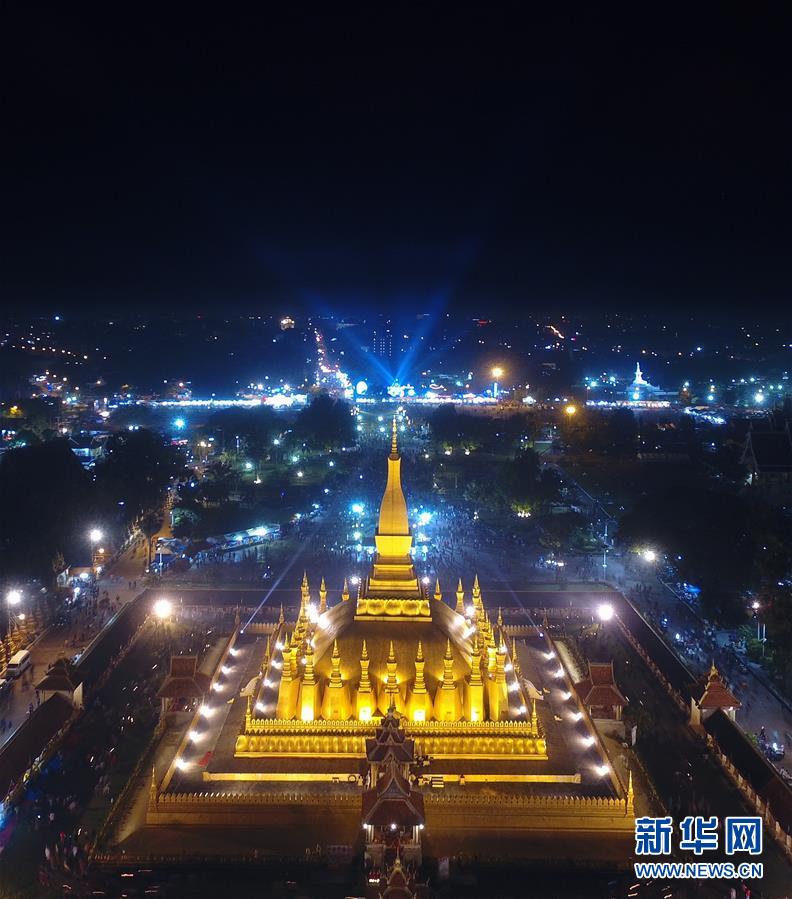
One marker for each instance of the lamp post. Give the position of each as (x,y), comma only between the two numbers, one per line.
(13,599)
(95,535)
(761,629)
(497,374)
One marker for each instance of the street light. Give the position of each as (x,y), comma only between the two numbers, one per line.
(497,374)
(163,608)
(95,535)
(570,410)
(605,611)
(649,555)
(13,599)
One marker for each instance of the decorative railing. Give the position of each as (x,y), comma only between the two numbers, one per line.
(411,728)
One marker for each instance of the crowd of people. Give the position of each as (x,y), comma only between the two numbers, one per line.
(97,754)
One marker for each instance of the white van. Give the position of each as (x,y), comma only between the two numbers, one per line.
(18,663)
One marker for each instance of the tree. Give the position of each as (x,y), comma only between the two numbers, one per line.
(718,541)
(47,504)
(255,428)
(137,468)
(150,525)
(325,424)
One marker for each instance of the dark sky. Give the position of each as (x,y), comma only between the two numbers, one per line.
(427,154)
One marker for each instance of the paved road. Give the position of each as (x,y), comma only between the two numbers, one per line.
(69,639)
(761,707)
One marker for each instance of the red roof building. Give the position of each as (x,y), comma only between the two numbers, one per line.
(599,693)
(184,682)
(715,695)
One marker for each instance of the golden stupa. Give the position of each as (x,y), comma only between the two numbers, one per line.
(286,763)
(337,670)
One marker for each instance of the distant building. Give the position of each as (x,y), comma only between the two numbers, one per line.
(640,389)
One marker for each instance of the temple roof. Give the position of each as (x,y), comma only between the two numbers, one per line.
(184,680)
(393,801)
(61,677)
(390,740)
(716,694)
(599,688)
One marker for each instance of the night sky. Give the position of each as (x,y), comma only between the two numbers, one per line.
(484,157)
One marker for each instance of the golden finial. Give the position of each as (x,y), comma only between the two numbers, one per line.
(394,439)
(153,787)
(448,667)
(322,597)
(335,661)
(420,684)
(475,662)
(345,591)
(437,594)
(500,617)
(476,588)
(305,580)
(534,720)
(460,598)
(364,653)
(391,653)
(630,792)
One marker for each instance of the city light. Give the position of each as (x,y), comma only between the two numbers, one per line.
(163,608)
(13,597)
(357,508)
(205,711)
(179,424)
(605,611)
(570,410)
(649,555)
(95,535)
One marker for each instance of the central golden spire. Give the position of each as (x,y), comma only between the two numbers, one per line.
(392,589)
(393,519)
